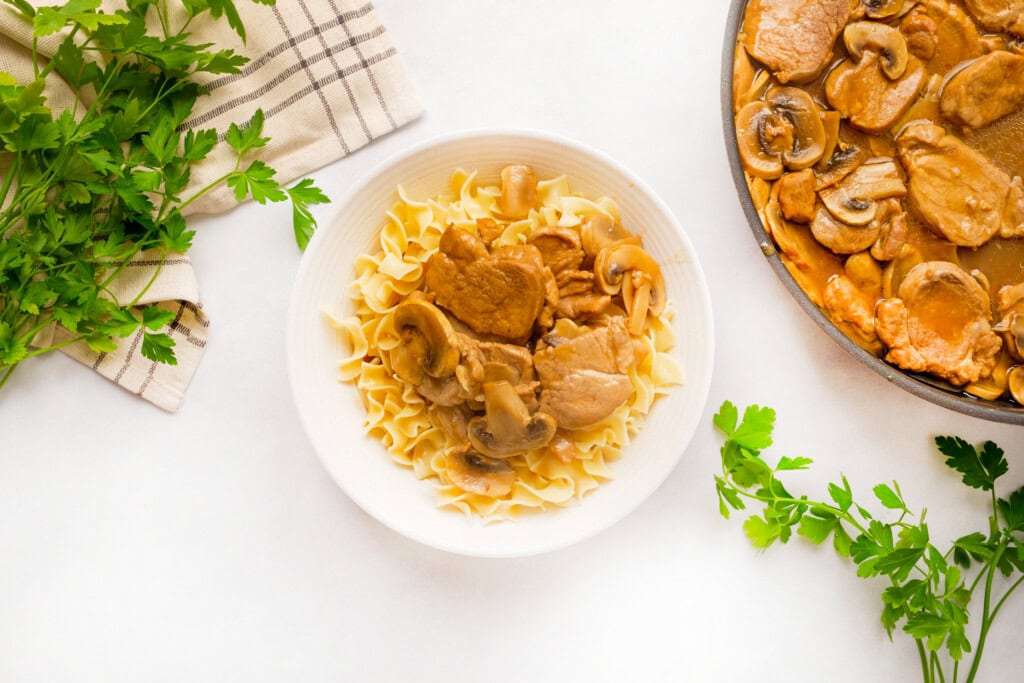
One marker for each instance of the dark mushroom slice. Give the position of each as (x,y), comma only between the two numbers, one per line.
(842,163)
(507,428)
(429,347)
(476,473)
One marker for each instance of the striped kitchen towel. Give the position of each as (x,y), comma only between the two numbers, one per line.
(328,80)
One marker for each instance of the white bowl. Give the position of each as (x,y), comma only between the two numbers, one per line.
(331,411)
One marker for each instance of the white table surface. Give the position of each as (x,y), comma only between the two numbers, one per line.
(212,546)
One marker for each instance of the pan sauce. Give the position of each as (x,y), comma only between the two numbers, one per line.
(883,136)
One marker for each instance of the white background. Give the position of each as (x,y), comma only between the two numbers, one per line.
(212,546)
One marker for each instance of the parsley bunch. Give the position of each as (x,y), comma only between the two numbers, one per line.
(929,590)
(85,190)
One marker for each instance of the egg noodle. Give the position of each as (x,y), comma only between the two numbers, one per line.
(400,418)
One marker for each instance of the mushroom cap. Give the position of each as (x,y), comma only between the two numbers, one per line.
(809,136)
(601,230)
(890,44)
(507,428)
(841,237)
(854,199)
(1015,381)
(836,167)
(476,473)
(881,9)
(759,159)
(429,346)
(615,261)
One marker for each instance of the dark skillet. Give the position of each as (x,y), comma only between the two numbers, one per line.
(925,387)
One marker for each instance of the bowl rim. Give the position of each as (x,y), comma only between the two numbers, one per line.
(918,385)
(703,294)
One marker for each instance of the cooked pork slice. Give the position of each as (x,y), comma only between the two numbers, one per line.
(584,379)
(561,248)
(499,294)
(794,38)
(959,193)
(939,324)
(986,90)
(941,34)
(999,15)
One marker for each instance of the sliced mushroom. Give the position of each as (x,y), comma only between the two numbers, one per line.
(831,121)
(887,41)
(508,429)
(881,9)
(630,268)
(853,200)
(836,167)
(1012,329)
(757,133)
(600,231)
(808,130)
(996,384)
(518,191)
(1015,380)
(896,271)
(429,347)
(476,473)
(841,237)
(783,131)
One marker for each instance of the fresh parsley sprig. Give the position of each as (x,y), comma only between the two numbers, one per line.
(84,190)
(929,589)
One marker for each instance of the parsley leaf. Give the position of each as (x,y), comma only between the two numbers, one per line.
(929,591)
(89,188)
(979,470)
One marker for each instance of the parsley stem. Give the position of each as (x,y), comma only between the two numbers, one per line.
(925,673)
(986,613)
(12,173)
(156,274)
(7,374)
(999,604)
(937,668)
(54,347)
(212,185)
